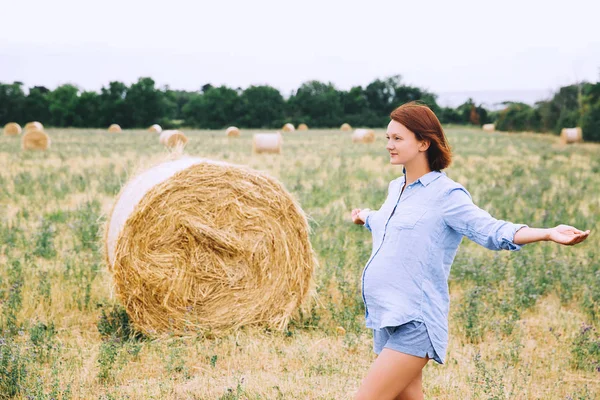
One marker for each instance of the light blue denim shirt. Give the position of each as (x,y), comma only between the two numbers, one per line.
(416,235)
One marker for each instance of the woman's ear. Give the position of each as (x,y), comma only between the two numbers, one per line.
(424,145)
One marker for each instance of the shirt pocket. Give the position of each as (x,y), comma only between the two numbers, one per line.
(405,229)
(407,217)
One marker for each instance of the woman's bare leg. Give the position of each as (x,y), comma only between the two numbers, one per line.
(390,375)
(414,390)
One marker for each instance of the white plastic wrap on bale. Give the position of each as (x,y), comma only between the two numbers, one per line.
(363,136)
(489,127)
(571,135)
(168,134)
(135,191)
(267,142)
(288,128)
(34,125)
(155,128)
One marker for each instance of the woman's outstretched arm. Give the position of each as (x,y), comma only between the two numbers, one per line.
(562,234)
(466,218)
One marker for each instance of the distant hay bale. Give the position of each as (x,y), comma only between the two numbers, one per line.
(489,127)
(114,128)
(12,129)
(363,136)
(571,135)
(302,127)
(199,245)
(267,143)
(172,138)
(34,125)
(345,127)
(35,139)
(156,128)
(232,131)
(288,128)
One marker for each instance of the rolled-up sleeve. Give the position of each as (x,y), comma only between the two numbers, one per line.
(471,221)
(367,225)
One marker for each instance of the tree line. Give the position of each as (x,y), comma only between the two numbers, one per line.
(570,106)
(317,104)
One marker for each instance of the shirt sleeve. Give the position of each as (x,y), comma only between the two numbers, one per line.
(479,226)
(367,220)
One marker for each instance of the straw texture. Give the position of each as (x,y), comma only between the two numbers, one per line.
(114,128)
(156,128)
(232,131)
(12,129)
(197,245)
(34,125)
(173,138)
(288,128)
(35,139)
(345,127)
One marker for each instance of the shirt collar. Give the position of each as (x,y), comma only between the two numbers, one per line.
(427,178)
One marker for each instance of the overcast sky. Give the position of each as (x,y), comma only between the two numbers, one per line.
(444,46)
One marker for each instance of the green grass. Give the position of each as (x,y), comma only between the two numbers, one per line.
(522,325)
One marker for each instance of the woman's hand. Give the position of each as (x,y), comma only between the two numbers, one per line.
(568,235)
(359,216)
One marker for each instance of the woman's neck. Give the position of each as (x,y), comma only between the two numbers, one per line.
(414,172)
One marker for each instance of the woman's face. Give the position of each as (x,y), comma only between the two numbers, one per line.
(402,144)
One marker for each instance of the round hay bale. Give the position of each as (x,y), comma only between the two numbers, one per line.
(363,136)
(288,128)
(345,127)
(571,135)
(172,138)
(34,125)
(196,245)
(12,129)
(232,131)
(302,127)
(267,143)
(156,128)
(35,139)
(114,128)
(489,127)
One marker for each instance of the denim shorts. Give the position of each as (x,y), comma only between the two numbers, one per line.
(409,338)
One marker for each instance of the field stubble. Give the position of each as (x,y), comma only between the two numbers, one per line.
(522,325)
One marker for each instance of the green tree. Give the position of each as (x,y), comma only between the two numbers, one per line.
(37,105)
(590,118)
(215,109)
(63,102)
(317,104)
(113,108)
(262,107)
(518,117)
(87,111)
(12,103)
(148,105)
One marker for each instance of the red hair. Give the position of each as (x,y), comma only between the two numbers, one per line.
(420,120)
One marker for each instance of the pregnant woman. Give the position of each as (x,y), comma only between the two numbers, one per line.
(416,234)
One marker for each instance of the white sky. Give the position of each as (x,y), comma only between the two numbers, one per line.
(444,46)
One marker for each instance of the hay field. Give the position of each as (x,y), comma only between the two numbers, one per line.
(523,325)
